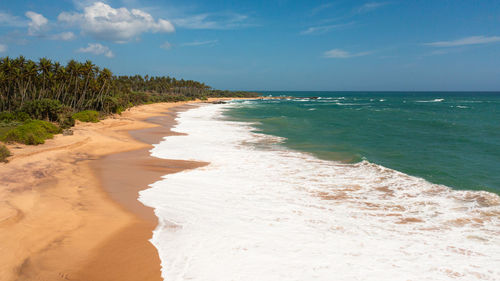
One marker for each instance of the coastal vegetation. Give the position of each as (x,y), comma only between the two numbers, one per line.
(85,86)
(87,116)
(58,94)
(4,153)
(32,132)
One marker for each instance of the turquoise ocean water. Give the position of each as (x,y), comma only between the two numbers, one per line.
(449,138)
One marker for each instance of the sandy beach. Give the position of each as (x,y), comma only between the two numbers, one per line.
(69,208)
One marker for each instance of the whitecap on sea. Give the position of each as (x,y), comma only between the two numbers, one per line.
(434,100)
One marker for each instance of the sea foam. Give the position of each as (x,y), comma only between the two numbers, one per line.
(260,211)
(434,100)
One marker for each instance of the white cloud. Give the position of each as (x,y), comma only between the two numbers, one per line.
(97,49)
(320,8)
(65,36)
(213,21)
(371,6)
(341,54)
(3,48)
(10,20)
(166,46)
(473,40)
(325,28)
(38,23)
(81,4)
(70,18)
(118,25)
(200,43)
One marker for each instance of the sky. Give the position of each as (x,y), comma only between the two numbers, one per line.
(405,45)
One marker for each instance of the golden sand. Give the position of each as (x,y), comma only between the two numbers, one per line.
(69,209)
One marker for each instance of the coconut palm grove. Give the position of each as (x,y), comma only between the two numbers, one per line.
(56,94)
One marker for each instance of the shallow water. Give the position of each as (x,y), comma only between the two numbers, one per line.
(261,211)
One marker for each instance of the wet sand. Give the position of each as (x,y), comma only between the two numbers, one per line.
(122,176)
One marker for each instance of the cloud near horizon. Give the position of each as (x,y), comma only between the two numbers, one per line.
(120,25)
(341,54)
(96,49)
(472,40)
(3,48)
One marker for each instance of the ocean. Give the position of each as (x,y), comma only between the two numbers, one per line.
(445,138)
(345,186)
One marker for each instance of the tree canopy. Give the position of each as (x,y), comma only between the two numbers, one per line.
(85,86)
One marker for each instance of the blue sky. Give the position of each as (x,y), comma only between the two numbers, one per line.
(413,45)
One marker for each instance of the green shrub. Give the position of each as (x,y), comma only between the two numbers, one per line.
(87,116)
(49,127)
(7,117)
(65,118)
(5,127)
(119,110)
(4,153)
(22,116)
(32,132)
(46,109)
(66,122)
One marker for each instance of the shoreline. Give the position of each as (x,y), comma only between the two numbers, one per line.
(123,175)
(233,214)
(65,214)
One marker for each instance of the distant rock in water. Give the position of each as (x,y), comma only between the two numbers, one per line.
(219,102)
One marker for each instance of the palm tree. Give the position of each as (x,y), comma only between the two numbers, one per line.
(86,86)
(45,66)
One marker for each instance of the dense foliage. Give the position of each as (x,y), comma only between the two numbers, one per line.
(45,90)
(83,86)
(4,153)
(78,85)
(7,117)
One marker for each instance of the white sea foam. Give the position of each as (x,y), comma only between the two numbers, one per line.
(261,212)
(339,103)
(434,100)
